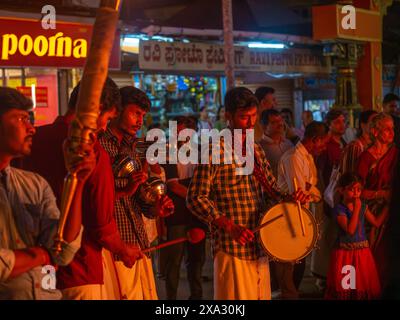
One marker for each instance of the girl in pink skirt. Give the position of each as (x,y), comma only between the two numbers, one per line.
(352,272)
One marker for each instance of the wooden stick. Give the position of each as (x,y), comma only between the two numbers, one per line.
(267,223)
(303,230)
(165,244)
(88,104)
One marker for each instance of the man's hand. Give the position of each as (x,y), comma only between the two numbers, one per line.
(130,255)
(135,180)
(81,161)
(239,233)
(164,207)
(299,195)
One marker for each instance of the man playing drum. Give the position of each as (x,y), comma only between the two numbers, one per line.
(232,205)
(297,164)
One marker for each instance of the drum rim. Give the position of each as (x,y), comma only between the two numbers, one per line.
(314,240)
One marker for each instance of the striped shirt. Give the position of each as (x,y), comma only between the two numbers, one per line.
(128,210)
(216,190)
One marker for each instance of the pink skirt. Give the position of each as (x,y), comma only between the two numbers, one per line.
(352,275)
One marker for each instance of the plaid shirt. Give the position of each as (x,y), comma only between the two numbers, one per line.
(216,190)
(129,209)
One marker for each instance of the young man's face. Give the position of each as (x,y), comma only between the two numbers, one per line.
(268,102)
(16,133)
(390,107)
(105,117)
(338,126)
(243,118)
(131,119)
(319,144)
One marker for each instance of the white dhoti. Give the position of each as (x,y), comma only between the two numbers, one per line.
(236,279)
(137,283)
(108,290)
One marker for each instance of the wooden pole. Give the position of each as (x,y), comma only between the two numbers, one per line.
(229,52)
(88,104)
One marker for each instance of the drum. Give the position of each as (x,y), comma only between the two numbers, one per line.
(282,237)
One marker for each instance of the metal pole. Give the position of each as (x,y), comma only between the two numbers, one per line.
(228,43)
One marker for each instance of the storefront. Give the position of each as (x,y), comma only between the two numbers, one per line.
(318,94)
(193,73)
(391,79)
(45,64)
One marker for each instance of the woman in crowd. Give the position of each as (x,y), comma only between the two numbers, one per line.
(353,150)
(376,167)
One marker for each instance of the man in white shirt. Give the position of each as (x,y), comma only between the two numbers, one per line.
(28,211)
(298,163)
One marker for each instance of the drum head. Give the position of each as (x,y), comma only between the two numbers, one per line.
(283,239)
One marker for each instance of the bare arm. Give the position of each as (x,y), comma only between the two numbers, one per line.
(377,221)
(350,226)
(176,187)
(376,194)
(27,259)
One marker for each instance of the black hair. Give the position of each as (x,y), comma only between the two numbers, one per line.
(266,114)
(365,115)
(188,122)
(363,118)
(315,129)
(13,99)
(332,115)
(390,97)
(287,110)
(348,179)
(261,92)
(132,95)
(110,96)
(239,98)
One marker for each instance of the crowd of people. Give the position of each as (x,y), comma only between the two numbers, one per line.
(349,186)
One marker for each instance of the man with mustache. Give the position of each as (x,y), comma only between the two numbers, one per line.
(119,141)
(232,205)
(88,276)
(28,211)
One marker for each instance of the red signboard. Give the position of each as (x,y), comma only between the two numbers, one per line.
(40,98)
(24,43)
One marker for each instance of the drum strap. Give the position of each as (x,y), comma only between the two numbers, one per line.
(260,175)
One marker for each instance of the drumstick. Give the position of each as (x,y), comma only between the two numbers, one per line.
(194,235)
(267,223)
(299,208)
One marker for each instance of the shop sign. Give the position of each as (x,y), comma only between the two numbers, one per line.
(321,83)
(178,56)
(24,43)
